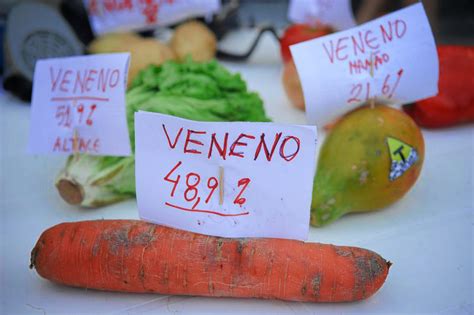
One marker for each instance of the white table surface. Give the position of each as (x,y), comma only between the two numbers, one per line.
(428,235)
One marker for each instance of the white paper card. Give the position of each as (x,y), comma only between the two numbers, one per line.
(398,49)
(78,105)
(124,15)
(336,13)
(222,179)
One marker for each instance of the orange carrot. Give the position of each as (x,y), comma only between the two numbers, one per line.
(135,256)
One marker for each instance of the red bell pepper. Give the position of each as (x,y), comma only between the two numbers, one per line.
(454,103)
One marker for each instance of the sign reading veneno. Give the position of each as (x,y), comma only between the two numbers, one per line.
(78,106)
(231,179)
(392,59)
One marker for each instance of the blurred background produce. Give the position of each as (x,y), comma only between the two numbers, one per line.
(143,51)
(193,39)
(454,103)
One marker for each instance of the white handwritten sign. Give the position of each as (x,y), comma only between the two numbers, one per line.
(230,179)
(123,15)
(78,105)
(392,59)
(335,13)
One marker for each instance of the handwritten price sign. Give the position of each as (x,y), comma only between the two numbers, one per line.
(392,59)
(336,13)
(191,192)
(78,105)
(122,15)
(227,179)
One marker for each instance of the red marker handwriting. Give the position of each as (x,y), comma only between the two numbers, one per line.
(117,5)
(360,65)
(267,147)
(194,192)
(386,90)
(80,144)
(239,200)
(74,82)
(352,47)
(361,92)
(148,8)
(79,114)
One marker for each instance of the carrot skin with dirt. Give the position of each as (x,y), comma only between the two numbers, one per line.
(136,256)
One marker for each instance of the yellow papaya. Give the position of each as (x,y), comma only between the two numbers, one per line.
(369,160)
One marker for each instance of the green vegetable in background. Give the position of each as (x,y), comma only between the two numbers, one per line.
(191,90)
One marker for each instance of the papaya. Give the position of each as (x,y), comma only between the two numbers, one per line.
(369,160)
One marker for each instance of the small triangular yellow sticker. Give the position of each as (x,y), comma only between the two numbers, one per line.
(399,151)
(402,155)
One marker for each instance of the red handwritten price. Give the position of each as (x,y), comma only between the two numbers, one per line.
(193,195)
(361,92)
(66,113)
(149,8)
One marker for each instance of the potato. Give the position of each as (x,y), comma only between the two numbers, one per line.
(143,51)
(113,42)
(194,39)
(147,52)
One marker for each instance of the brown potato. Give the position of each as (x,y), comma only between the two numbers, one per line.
(147,52)
(113,42)
(143,52)
(194,39)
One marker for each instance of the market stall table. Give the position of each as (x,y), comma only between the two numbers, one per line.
(427,235)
